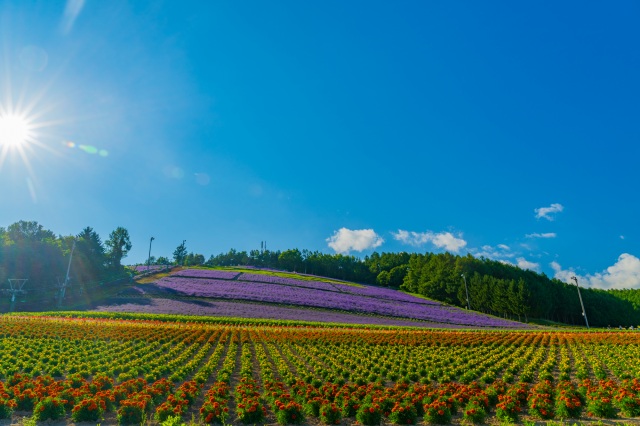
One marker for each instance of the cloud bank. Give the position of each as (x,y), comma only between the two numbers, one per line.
(500,253)
(548,212)
(345,240)
(525,264)
(544,235)
(625,273)
(445,240)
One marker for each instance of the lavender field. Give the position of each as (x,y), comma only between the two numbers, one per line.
(231,293)
(222,308)
(145,268)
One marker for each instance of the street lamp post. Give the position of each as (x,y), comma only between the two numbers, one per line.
(466,290)
(149,258)
(584,314)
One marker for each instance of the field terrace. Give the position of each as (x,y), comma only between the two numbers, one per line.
(113,368)
(267,295)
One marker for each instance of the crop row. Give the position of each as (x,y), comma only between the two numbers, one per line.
(85,369)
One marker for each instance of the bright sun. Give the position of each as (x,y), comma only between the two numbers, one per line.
(14,130)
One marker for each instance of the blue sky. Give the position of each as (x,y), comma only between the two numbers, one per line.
(508,130)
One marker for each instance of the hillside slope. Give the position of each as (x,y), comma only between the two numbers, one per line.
(269,294)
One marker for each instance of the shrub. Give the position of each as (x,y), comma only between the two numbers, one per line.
(508,409)
(437,412)
(568,403)
(108,398)
(131,412)
(369,414)
(330,414)
(213,412)
(88,410)
(403,413)
(628,403)
(172,421)
(250,411)
(601,407)
(102,381)
(26,400)
(600,400)
(289,413)
(541,402)
(7,406)
(475,411)
(49,408)
(312,406)
(349,407)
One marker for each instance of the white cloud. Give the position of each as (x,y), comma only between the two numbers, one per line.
(546,212)
(544,235)
(345,240)
(561,274)
(71,12)
(448,241)
(525,264)
(625,273)
(411,238)
(445,240)
(499,253)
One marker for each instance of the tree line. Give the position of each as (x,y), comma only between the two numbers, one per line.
(29,251)
(493,287)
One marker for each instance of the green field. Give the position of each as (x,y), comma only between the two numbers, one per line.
(140,368)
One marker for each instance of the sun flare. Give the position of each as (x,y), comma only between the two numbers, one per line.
(14,130)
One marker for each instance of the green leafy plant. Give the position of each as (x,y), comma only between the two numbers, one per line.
(330,414)
(369,414)
(475,412)
(88,410)
(403,413)
(49,408)
(7,406)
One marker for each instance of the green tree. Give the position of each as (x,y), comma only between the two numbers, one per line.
(383,278)
(118,246)
(396,275)
(89,261)
(290,260)
(193,259)
(27,250)
(180,253)
(29,232)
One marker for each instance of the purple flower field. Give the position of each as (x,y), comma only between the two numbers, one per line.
(144,268)
(370,291)
(364,300)
(204,307)
(215,274)
(272,279)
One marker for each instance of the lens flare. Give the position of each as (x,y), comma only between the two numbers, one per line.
(14,130)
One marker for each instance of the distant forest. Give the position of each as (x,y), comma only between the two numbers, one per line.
(494,287)
(27,250)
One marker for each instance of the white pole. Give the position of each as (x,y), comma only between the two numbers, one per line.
(466,291)
(584,314)
(66,280)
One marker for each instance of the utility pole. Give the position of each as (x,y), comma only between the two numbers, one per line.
(584,314)
(149,258)
(65,283)
(466,290)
